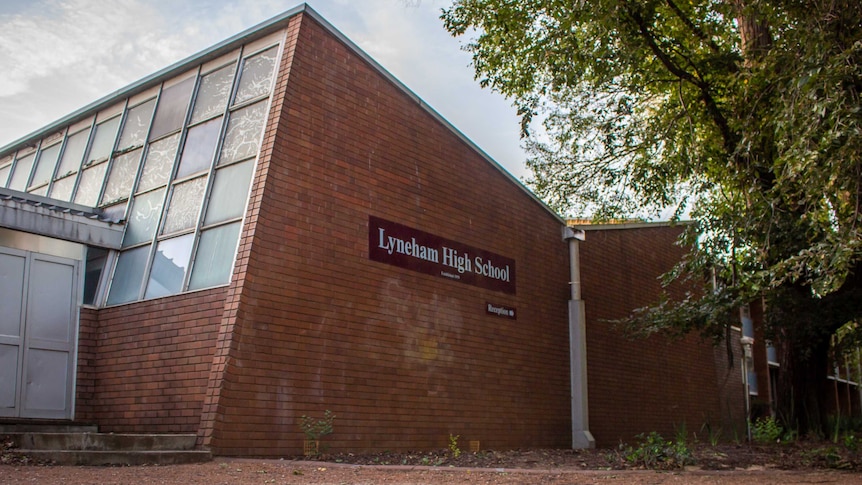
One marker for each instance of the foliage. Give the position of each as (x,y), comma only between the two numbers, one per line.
(453,445)
(744,114)
(315,429)
(766,430)
(654,452)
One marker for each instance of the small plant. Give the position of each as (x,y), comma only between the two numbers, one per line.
(766,430)
(713,435)
(453,445)
(315,429)
(653,451)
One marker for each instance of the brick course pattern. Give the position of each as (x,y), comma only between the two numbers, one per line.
(143,367)
(403,359)
(656,384)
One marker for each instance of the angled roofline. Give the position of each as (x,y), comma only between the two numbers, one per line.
(260,30)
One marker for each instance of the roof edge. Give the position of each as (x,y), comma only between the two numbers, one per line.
(264,28)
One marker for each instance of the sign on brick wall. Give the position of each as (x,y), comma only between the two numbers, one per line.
(399,245)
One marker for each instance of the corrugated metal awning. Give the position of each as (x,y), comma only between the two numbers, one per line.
(61,220)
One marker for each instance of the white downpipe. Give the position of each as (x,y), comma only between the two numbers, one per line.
(581,436)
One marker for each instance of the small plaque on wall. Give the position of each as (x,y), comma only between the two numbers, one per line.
(501,311)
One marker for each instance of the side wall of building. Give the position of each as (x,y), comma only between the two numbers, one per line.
(143,367)
(403,359)
(654,384)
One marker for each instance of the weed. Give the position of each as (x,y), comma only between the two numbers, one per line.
(453,445)
(315,429)
(713,435)
(767,430)
(653,451)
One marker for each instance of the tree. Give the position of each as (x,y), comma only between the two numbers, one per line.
(747,113)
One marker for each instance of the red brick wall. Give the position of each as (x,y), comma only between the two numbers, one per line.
(657,384)
(143,367)
(85,386)
(402,358)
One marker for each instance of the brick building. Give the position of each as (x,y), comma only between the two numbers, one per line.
(276,227)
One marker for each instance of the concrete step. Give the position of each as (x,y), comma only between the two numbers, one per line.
(47,427)
(102,441)
(128,458)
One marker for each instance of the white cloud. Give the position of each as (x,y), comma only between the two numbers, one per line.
(59,55)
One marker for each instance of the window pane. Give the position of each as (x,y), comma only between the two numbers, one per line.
(45,165)
(62,189)
(256,77)
(74,152)
(22,172)
(128,276)
(96,258)
(171,112)
(199,148)
(169,266)
(215,256)
(43,190)
(122,177)
(136,125)
(213,94)
(185,205)
(91,185)
(230,191)
(4,174)
(115,212)
(103,140)
(144,217)
(242,139)
(160,161)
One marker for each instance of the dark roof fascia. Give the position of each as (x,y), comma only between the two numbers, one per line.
(260,30)
(613,226)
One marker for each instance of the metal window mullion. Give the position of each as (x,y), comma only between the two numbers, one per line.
(225,121)
(90,138)
(57,163)
(123,118)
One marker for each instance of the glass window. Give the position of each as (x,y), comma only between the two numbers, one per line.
(213,93)
(169,266)
(96,258)
(62,189)
(144,217)
(214,259)
(90,185)
(129,275)
(242,139)
(199,148)
(21,174)
(115,212)
(136,125)
(122,177)
(74,153)
(4,174)
(45,165)
(159,162)
(103,140)
(256,77)
(185,205)
(171,111)
(229,193)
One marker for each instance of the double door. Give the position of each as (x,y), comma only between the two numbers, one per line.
(38,329)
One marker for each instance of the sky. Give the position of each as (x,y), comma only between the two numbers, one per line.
(59,55)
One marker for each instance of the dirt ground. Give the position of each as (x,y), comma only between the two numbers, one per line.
(723,464)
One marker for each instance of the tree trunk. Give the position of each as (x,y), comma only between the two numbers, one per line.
(802,383)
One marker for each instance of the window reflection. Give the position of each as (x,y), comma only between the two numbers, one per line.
(169,266)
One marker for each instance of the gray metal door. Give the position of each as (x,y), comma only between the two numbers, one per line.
(38,326)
